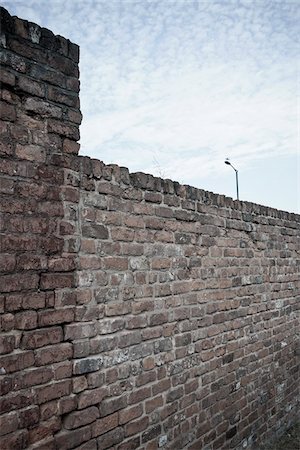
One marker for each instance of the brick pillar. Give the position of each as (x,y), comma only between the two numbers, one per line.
(39,130)
(40,91)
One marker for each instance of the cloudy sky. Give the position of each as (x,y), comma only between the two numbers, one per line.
(173,87)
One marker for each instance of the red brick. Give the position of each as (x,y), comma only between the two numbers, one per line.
(53,391)
(7,77)
(7,344)
(8,423)
(70,146)
(80,330)
(16,401)
(152,333)
(34,300)
(66,440)
(57,316)
(40,338)
(80,418)
(53,353)
(29,417)
(115,263)
(161,386)
(91,397)
(63,129)
(57,280)
(129,414)
(139,395)
(131,444)
(136,322)
(31,152)
(44,430)
(137,426)
(61,264)
(104,425)
(31,87)
(7,111)
(153,404)
(90,445)
(67,404)
(145,378)
(158,319)
(45,444)
(107,440)
(110,405)
(79,384)
(48,410)
(18,282)
(7,322)
(6,187)
(17,362)
(37,376)
(16,440)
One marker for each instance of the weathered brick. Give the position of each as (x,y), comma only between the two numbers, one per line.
(111,438)
(31,86)
(53,353)
(91,397)
(7,111)
(63,129)
(153,404)
(158,319)
(38,376)
(151,433)
(80,331)
(139,395)
(40,338)
(18,282)
(41,435)
(63,97)
(42,107)
(104,425)
(66,440)
(29,417)
(109,406)
(16,401)
(57,316)
(16,362)
(80,418)
(7,343)
(7,77)
(136,426)
(31,152)
(70,146)
(115,263)
(8,423)
(15,440)
(57,280)
(53,391)
(87,365)
(129,414)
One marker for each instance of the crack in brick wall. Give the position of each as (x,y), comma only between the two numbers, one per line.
(135,312)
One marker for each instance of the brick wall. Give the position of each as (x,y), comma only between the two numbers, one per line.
(135,312)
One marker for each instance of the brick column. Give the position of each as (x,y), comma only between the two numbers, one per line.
(39,130)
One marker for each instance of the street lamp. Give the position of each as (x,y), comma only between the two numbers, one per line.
(236,177)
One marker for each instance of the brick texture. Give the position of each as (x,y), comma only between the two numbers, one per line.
(135,312)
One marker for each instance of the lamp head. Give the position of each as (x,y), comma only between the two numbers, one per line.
(227,162)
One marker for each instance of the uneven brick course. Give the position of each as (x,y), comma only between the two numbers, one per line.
(135,312)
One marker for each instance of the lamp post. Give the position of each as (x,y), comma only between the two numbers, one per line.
(236,177)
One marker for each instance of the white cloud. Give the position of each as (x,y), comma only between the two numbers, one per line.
(181,83)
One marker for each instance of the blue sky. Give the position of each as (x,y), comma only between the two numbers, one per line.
(173,88)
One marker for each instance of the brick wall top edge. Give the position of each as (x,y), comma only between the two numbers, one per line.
(144,181)
(44,38)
